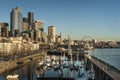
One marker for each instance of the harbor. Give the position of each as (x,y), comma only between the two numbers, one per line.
(58,66)
(52,66)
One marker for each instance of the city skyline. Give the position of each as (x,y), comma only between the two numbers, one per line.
(99,19)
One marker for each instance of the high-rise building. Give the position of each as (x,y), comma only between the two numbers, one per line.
(16,21)
(25,26)
(51,34)
(39,27)
(4,30)
(31,20)
(59,39)
(0,30)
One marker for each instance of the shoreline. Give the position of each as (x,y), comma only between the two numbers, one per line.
(13,64)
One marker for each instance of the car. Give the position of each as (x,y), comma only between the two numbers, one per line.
(20,62)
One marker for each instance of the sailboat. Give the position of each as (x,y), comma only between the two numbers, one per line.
(69,49)
(91,73)
(70,53)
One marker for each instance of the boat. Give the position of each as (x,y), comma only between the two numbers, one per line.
(20,62)
(77,63)
(48,64)
(13,77)
(91,74)
(56,66)
(44,67)
(40,63)
(47,58)
(53,63)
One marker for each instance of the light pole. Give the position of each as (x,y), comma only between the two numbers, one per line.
(98,60)
(77,55)
(106,62)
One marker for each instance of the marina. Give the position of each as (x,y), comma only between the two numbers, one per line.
(61,67)
(53,66)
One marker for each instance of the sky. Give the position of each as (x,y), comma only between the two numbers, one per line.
(99,19)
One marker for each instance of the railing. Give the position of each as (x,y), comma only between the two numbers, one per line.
(110,70)
(108,65)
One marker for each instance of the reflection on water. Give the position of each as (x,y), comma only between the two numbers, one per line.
(59,67)
(51,66)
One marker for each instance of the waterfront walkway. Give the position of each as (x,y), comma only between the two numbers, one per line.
(9,65)
(107,68)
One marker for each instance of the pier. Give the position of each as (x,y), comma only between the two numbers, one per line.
(104,71)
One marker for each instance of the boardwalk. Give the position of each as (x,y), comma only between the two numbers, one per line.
(108,69)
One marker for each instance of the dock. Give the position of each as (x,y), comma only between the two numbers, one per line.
(105,70)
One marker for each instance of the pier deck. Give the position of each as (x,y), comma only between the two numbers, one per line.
(113,72)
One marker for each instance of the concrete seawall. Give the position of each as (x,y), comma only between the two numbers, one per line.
(9,65)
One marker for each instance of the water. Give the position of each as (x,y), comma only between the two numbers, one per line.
(32,71)
(111,56)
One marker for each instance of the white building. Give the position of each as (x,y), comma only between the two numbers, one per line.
(16,46)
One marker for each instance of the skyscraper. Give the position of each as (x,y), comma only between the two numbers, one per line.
(16,21)
(51,34)
(31,20)
(39,27)
(4,29)
(25,26)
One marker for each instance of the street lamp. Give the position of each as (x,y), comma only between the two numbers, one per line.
(106,62)
(77,55)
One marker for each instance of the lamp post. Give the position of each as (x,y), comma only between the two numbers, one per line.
(98,60)
(106,63)
(77,55)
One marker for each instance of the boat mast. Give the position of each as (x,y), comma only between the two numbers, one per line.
(70,54)
(69,48)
